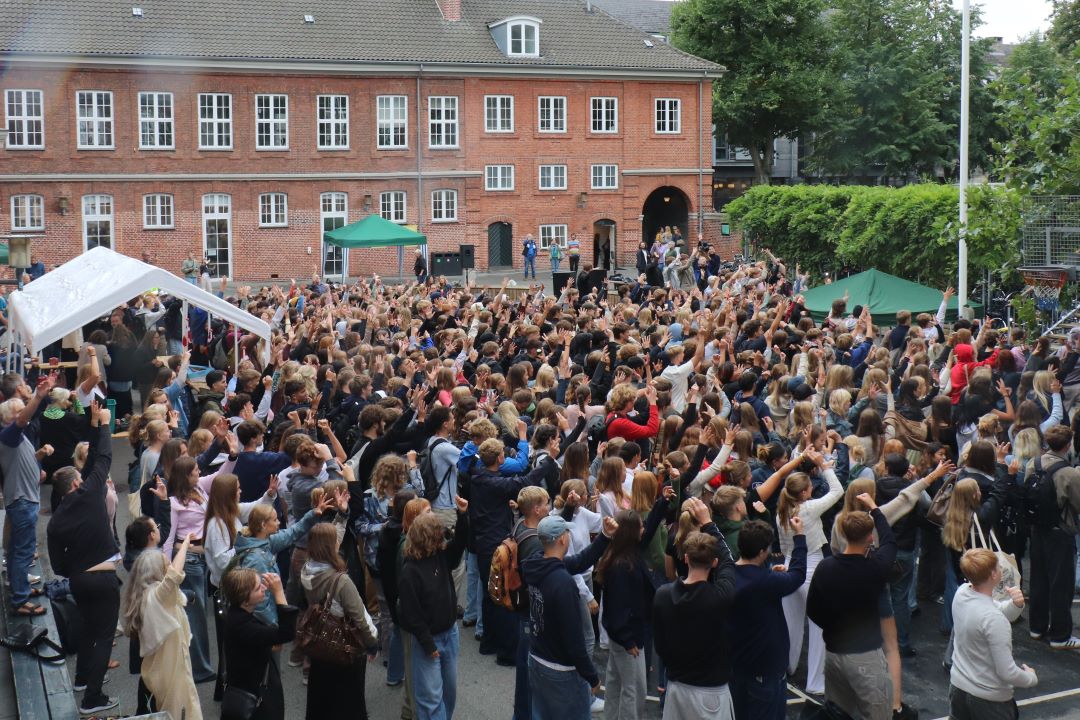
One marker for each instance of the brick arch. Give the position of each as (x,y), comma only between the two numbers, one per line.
(494,219)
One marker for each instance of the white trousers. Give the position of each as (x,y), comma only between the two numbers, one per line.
(795,614)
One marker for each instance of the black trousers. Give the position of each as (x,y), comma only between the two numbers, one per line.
(573,262)
(325,684)
(1053,580)
(97,595)
(500,625)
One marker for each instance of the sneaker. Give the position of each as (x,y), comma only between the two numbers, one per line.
(393,683)
(33,579)
(1036,635)
(80,687)
(597,706)
(101,704)
(1072,643)
(297,662)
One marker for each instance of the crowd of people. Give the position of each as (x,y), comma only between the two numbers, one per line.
(697,483)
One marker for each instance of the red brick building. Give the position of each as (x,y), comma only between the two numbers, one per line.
(244,129)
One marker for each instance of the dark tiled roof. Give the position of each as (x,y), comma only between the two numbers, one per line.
(651,16)
(348,31)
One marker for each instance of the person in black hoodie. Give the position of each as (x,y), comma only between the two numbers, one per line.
(389,539)
(562,677)
(628,599)
(690,627)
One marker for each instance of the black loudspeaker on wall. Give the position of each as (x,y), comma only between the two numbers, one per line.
(468,257)
(558,281)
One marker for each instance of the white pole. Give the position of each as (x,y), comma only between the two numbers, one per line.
(965,102)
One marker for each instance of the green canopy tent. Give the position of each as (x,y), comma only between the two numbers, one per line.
(885,295)
(375,232)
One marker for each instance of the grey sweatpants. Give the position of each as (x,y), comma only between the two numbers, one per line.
(859,683)
(689,702)
(624,692)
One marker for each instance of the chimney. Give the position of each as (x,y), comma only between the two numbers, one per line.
(450,9)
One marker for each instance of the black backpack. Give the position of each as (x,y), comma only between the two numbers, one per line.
(1040,496)
(425,461)
(596,431)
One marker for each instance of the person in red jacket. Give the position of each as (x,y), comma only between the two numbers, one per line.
(621,403)
(965,365)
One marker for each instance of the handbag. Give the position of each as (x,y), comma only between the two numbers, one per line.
(30,639)
(240,704)
(327,638)
(1010,572)
(939,506)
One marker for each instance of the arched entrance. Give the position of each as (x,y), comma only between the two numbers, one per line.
(665,206)
(500,245)
(604,244)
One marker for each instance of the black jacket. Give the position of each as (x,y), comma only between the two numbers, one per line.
(427,601)
(79,533)
(490,517)
(628,590)
(248,651)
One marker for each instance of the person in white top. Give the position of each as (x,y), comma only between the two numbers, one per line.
(679,372)
(984,672)
(795,500)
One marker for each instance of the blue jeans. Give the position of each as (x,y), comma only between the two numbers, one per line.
(22,515)
(899,590)
(194,586)
(522,699)
(951,586)
(192,280)
(555,264)
(174,347)
(434,680)
(395,658)
(759,698)
(472,593)
(558,694)
(530,262)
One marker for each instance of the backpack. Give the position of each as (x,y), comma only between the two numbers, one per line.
(1039,495)
(596,431)
(505,586)
(425,461)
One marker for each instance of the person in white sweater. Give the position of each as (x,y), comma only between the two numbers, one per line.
(984,672)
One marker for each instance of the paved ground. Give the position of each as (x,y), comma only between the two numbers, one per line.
(485,691)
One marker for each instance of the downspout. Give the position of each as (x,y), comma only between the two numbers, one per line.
(700,159)
(419,164)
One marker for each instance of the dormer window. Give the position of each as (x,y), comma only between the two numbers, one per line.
(524,38)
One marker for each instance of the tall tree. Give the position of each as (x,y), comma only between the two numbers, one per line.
(777,82)
(1064,30)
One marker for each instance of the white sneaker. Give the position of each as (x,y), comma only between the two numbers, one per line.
(597,706)
(1072,643)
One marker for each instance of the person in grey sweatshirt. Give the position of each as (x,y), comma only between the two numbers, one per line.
(984,672)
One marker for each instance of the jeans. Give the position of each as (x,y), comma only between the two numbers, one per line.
(174,347)
(555,264)
(1053,579)
(194,586)
(522,700)
(859,683)
(192,279)
(625,691)
(22,516)
(759,698)
(473,592)
(97,595)
(435,679)
(558,694)
(395,658)
(952,584)
(964,706)
(899,590)
(530,262)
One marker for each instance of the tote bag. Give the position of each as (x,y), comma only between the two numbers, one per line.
(1010,572)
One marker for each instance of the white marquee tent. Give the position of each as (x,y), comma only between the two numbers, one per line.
(95,283)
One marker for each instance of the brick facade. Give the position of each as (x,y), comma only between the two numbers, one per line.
(646,161)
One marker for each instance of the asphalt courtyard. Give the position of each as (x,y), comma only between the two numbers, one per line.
(485,691)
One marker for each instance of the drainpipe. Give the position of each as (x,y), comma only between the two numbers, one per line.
(419,164)
(700,179)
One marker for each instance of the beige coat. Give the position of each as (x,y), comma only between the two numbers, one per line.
(163,641)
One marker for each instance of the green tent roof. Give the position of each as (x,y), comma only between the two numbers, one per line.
(373,232)
(885,294)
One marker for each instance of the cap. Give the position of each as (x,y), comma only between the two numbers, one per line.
(551,528)
(802,392)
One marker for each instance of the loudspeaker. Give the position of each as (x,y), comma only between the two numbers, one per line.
(558,281)
(468,257)
(597,278)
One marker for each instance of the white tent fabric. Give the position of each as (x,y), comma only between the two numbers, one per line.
(98,281)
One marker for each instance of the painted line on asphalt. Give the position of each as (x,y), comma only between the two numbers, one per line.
(1049,697)
(801,696)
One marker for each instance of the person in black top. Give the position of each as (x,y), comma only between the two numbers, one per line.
(690,626)
(843,600)
(82,548)
(249,641)
(420,267)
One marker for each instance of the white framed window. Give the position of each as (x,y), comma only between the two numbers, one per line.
(551,114)
(499,113)
(552,177)
(499,177)
(27,213)
(273,210)
(25,119)
(333,213)
(155,121)
(158,212)
(217,233)
(668,118)
(443,121)
(333,122)
(271,122)
(604,114)
(392,116)
(444,206)
(552,234)
(97,217)
(524,38)
(392,206)
(95,113)
(605,177)
(215,121)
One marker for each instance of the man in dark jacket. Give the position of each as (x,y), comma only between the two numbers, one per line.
(82,549)
(888,487)
(690,626)
(561,673)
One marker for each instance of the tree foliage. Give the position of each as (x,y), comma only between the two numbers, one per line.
(1065,26)
(777,82)
(910,232)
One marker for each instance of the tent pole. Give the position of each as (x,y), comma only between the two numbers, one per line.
(401,263)
(183,326)
(236,352)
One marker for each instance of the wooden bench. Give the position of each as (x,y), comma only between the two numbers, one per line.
(42,689)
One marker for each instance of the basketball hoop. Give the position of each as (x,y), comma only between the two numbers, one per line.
(1046,284)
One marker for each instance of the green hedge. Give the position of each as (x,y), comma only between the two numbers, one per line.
(910,231)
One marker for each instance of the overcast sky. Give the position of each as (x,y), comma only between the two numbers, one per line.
(1011,19)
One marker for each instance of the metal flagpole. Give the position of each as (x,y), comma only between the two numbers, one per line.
(965,102)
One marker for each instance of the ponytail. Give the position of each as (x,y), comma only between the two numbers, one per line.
(790,498)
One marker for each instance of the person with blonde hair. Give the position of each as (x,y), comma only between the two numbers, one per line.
(984,672)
